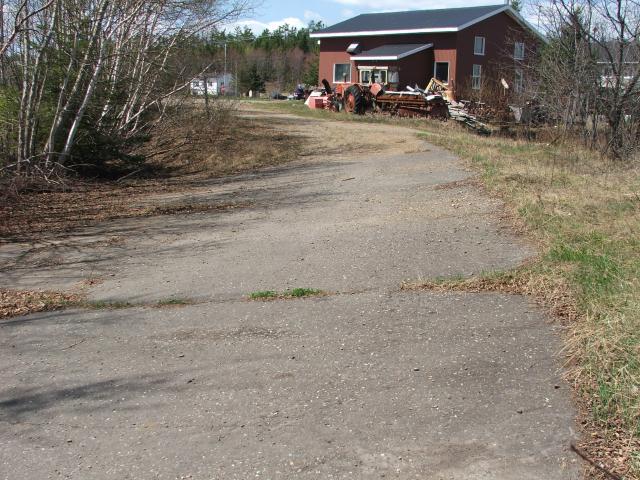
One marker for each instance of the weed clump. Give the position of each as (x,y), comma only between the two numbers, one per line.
(298,292)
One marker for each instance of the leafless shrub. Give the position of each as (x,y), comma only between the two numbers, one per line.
(589,72)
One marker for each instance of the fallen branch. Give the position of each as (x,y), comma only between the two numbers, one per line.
(593,463)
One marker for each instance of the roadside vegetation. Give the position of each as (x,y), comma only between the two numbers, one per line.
(91,89)
(583,211)
(14,303)
(96,111)
(186,155)
(292,293)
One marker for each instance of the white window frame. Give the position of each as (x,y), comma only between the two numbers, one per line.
(518,80)
(475,84)
(365,68)
(334,73)
(435,64)
(475,44)
(518,51)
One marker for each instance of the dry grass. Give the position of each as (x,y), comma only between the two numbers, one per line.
(584,212)
(30,216)
(219,143)
(554,293)
(190,150)
(14,302)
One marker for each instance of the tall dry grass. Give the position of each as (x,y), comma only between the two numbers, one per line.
(584,212)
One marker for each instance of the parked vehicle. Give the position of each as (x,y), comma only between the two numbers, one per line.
(298,93)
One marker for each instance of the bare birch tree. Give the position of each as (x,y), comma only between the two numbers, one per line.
(93,70)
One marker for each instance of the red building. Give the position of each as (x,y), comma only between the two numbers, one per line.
(463,47)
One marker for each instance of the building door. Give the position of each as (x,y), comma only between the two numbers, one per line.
(441,71)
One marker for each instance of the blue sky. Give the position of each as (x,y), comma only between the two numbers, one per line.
(273,13)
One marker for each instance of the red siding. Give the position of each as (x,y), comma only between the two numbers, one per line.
(500,32)
(417,68)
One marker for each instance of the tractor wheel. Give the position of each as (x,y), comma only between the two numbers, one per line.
(336,105)
(354,100)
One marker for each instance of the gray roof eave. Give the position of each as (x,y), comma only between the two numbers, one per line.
(444,29)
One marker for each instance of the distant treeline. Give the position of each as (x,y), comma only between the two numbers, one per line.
(278,59)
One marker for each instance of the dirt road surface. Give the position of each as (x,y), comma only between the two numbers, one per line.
(369,381)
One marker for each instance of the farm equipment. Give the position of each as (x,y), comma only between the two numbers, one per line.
(435,101)
(359,98)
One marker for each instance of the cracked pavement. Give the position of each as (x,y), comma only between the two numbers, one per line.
(368,382)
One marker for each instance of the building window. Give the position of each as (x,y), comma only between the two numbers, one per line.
(441,71)
(478,46)
(342,73)
(476,77)
(518,82)
(518,51)
(373,75)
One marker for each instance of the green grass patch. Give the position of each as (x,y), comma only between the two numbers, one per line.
(291,293)
(303,292)
(301,110)
(106,304)
(262,294)
(173,301)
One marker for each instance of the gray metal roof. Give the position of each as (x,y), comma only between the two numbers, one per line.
(393,52)
(447,18)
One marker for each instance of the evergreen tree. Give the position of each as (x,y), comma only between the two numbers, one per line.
(249,78)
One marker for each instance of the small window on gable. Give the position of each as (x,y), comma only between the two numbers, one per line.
(342,73)
(478,46)
(518,51)
(476,77)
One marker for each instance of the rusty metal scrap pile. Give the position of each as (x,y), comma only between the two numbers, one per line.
(435,101)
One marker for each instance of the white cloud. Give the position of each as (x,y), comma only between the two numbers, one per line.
(310,15)
(347,13)
(257,26)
